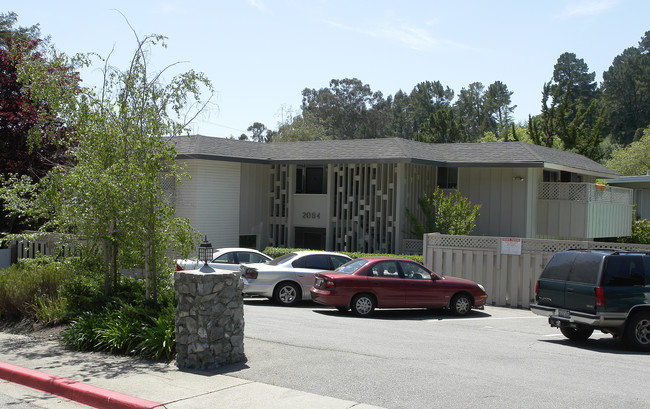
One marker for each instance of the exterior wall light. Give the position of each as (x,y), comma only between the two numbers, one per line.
(205,255)
(518,179)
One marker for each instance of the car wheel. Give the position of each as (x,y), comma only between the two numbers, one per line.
(363,305)
(287,294)
(461,304)
(637,331)
(578,334)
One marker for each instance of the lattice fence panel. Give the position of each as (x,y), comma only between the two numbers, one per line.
(509,279)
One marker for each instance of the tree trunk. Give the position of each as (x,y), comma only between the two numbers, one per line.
(106,251)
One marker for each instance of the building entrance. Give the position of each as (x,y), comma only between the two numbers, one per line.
(310,238)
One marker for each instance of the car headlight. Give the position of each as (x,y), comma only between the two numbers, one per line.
(481,287)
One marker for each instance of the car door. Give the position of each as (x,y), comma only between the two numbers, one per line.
(421,290)
(551,285)
(226,261)
(306,267)
(387,283)
(583,278)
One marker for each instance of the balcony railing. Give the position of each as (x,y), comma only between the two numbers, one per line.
(583,211)
(585,192)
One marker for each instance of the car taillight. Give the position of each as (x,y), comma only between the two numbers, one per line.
(250,273)
(536,288)
(178,267)
(600,297)
(329,283)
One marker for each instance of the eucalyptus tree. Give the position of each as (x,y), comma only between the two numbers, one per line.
(341,108)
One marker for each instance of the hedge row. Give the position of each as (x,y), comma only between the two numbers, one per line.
(278,251)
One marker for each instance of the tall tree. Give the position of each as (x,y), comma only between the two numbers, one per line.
(498,108)
(114,195)
(626,90)
(426,99)
(572,114)
(259,132)
(341,108)
(471,109)
(441,127)
(31,135)
(305,127)
(573,85)
(398,125)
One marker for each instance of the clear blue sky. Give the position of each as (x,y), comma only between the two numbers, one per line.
(261,54)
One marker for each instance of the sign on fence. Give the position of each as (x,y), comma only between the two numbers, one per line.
(510,245)
(507,267)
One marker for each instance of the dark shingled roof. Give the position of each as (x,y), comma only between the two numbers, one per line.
(388,150)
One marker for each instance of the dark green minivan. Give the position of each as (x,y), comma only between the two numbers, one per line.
(583,290)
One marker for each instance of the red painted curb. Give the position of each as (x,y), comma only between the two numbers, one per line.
(73,390)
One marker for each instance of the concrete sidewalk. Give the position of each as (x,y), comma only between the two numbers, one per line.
(108,381)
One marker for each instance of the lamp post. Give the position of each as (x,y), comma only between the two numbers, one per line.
(205,255)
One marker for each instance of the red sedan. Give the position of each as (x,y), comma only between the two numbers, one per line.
(366,283)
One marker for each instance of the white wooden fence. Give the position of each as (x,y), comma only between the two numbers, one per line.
(508,268)
(46,245)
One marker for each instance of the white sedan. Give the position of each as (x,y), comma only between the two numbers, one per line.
(226,259)
(288,278)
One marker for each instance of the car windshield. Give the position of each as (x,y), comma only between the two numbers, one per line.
(351,266)
(282,259)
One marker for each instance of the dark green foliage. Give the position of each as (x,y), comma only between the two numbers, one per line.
(119,330)
(626,91)
(126,330)
(158,339)
(81,334)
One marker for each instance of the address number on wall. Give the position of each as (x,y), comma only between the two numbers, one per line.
(311,215)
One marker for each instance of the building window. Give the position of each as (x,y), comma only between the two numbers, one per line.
(447,178)
(311,180)
(248,241)
(550,176)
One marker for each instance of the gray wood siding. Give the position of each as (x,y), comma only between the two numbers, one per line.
(502,196)
(211,200)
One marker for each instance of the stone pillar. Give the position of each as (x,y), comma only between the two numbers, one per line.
(209,319)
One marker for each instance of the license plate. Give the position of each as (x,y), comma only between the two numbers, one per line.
(563,313)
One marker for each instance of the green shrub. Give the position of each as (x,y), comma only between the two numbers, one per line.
(118,330)
(81,334)
(158,337)
(125,330)
(640,233)
(279,251)
(29,280)
(51,311)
